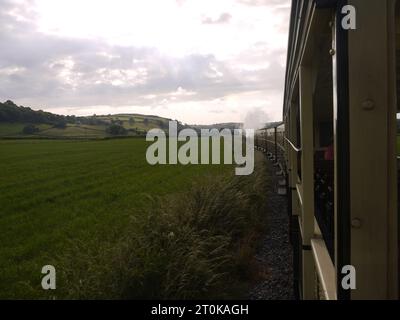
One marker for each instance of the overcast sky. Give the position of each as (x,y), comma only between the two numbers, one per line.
(199,61)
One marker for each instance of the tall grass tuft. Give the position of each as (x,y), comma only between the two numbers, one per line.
(195,245)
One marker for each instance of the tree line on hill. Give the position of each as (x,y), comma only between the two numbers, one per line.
(10,112)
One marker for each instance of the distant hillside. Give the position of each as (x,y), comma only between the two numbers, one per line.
(11,113)
(24,122)
(19,122)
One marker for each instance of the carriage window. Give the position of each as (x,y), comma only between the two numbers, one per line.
(323,145)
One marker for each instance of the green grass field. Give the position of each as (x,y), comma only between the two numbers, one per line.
(10,128)
(75,131)
(15,129)
(55,192)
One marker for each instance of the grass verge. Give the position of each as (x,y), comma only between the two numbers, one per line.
(198,244)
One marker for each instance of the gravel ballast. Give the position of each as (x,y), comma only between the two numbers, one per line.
(275,252)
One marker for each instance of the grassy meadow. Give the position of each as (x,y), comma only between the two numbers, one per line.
(86,206)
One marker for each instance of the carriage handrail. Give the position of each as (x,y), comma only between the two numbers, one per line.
(277,143)
(292,145)
(272,141)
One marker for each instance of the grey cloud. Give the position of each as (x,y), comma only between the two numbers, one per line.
(46,71)
(90,68)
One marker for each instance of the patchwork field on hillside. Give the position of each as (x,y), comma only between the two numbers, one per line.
(134,124)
